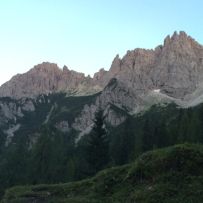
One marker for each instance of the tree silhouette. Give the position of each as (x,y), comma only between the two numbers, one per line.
(98,145)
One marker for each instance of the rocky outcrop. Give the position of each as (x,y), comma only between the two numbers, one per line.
(116,99)
(46,78)
(176,68)
(11,112)
(63,126)
(179,68)
(169,73)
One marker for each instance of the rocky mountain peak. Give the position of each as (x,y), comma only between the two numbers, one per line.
(115,67)
(99,75)
(43,78)
(176,68)
(46,67)
(180,41)
(65,69)
(172,71)
(175,37)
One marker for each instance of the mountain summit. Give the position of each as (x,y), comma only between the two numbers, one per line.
(176,68)
(47,116)
(44,78)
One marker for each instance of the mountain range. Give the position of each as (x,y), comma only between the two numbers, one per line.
(172,72)
(175,68)
(149,99)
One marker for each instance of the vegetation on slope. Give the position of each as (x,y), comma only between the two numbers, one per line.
(169,175)
(63,160)
(47,149)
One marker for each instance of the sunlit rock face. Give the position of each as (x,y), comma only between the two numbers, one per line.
(47,78)
(169,73)
(172,72)
(176,68)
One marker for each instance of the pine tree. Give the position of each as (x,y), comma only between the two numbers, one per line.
(42,157)
(161,138)
(98,145)
(147,136)
(2,141)
(183,127)
(49,157)
(125,144)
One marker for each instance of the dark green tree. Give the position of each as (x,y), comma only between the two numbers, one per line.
(49,157)
(41,159)
(200,118)
(147,136)
(160,138)
(97,151)
(14,164)
(122,145)
(184,122)
(2,141)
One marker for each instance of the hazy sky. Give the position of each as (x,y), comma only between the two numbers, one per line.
(86,35)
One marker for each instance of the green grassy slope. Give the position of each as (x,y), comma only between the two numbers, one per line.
(169,175)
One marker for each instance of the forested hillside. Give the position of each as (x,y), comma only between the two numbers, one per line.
(169,175)
(56,157)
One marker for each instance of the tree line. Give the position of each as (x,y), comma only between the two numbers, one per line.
(55,157)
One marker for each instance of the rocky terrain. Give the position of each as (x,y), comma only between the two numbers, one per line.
(150,99)
(46,78)
(172,72)
(176,68)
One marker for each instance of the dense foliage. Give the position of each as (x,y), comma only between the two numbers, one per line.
(55,157)
(169,175)
(97,149)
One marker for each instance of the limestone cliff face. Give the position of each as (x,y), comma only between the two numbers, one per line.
(11,112)
(115,95)
(173,70)
(179,66)
(134,69)
(176,67)
(46,78)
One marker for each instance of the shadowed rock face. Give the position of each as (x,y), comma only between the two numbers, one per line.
(175,68)
(114,94)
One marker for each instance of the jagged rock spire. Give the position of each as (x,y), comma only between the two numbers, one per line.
(176,68)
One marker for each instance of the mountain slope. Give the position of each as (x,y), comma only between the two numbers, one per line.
(47,78)
(25,116)
(140,95)
(176,68)
(61,151)
(172,72)
(169,175)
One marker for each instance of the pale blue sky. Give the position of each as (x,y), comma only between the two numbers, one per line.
(86,35)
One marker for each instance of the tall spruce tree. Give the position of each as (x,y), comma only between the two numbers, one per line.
(48,157)
(147,136)
(98,145)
